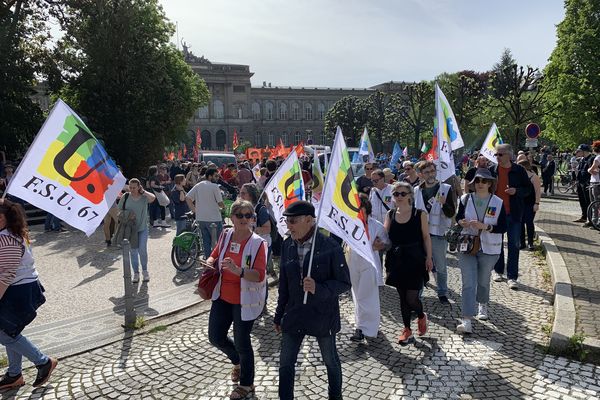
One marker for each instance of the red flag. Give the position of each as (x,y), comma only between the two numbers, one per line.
(171,156)
(184,150)
(300,149)
(236,143)
(432,153)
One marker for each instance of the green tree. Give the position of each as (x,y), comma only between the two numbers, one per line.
(349,113)
(411,111)
(23,55)
(376,114)
(519,93)
(122,74)
(573,76)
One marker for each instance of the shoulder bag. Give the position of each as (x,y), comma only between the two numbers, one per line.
(471,244)
(208,281)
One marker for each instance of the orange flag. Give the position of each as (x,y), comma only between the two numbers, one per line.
(236,143)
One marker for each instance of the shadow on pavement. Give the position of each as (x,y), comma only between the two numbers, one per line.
(140,302)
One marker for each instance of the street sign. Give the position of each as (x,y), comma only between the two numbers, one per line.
(532,131)
(531,142)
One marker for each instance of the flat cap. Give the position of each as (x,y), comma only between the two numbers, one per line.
(300,208)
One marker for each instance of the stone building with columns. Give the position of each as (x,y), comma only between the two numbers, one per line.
(261,114)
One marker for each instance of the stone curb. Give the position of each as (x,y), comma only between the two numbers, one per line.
(563,327)
(169,318)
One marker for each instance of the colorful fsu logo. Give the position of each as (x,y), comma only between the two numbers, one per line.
(345,196)
(291,185)
(76,159)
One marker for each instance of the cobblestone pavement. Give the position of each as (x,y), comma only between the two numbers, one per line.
(503,359)
(580,249)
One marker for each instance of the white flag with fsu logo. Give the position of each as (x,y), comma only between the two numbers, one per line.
(339,209)
(67,172)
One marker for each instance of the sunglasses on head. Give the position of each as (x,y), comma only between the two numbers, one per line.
(403,194)
(246,215)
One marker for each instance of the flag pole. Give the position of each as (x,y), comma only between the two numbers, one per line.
(312,246)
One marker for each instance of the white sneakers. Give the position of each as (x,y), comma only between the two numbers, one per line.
(136,277)
(482,314)
(512,284)
(146,276)
(465,326)
(160,223)
(497,277)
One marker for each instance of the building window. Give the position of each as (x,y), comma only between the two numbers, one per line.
(283,111)
(239,89)
(297,137)
(323,138)
(269,111)
(203,112)
(308,111)
(271,139)
(295,111)
(255,111)
(284,138)
(321,111)
(218,109)
(238,111)
(257,141)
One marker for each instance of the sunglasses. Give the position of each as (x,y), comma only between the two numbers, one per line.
(375,180)
(247,215)
(481,180)
(407,168)
(368,169)
(403,194)
(499,154)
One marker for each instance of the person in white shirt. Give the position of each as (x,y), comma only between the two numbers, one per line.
(594,171)
(380,196)
(207,201)
(366,277)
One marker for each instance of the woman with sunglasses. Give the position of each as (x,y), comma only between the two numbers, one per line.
(20,296)
(479,213)
(239,296)
(409,261)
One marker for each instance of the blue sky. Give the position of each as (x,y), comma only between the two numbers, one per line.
(352,43)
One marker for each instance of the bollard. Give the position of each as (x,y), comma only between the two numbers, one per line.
(213,236)
(129,309)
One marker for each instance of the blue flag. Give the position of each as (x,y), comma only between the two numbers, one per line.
(395,156)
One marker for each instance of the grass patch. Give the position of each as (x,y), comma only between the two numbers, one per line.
(547,329)
(159,328)
(139,323)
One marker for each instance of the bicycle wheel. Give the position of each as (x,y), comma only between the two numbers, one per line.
(185,251)
(563,183)
(593,214)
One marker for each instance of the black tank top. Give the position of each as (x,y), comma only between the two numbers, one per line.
(408,233)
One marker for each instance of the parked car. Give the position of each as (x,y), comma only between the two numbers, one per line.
(220,158)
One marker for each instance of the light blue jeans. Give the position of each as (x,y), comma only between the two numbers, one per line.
(17,348)
(476,274)
(141,252)
(206,239)
(438,251)
(180,224)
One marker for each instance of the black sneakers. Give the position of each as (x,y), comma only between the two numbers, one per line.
(9,382)
(44,371)
(358,336)
(444,300)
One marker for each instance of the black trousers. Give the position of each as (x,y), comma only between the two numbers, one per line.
(583,194)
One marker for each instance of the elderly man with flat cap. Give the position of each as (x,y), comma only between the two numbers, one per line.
(320,316)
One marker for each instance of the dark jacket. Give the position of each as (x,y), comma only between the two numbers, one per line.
(518,179)
(583,176)
(320,316)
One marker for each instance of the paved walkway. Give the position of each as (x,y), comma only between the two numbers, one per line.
(580,249)
(503,359)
